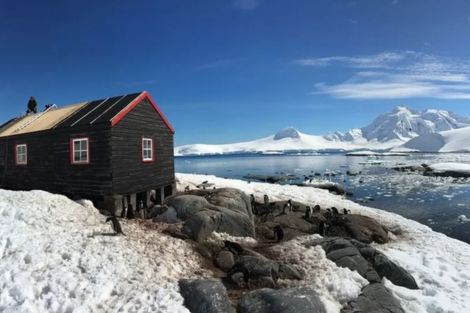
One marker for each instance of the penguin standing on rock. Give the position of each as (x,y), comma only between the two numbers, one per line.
(115,224)
(278,233)
(308,212)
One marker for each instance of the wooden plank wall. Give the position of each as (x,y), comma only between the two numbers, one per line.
(49,165)
(130,174)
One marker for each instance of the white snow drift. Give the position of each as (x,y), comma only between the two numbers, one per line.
(54,258)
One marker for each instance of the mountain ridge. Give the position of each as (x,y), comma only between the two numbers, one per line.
(385,132)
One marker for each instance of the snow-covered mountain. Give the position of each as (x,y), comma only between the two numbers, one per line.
(288,139)
(403,124)
(385,132)
(456,140)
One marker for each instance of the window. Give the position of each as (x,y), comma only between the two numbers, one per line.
(147,150)
(21,154)
(79,151)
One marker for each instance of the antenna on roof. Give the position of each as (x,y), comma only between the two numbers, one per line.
(50,107)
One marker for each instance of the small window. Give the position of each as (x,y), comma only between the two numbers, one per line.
(21,154)
(79,151)
(147,150)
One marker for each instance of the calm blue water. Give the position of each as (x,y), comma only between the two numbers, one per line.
(430,201)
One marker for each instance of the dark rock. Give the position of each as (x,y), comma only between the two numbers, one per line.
(359,227)
(286,271)
(456,174)
(331,187)
(224,260)
(411,168)
(205,296)
(270,179)
(375,298)
(260,267)
(370,263)
(393,272)
(298,300)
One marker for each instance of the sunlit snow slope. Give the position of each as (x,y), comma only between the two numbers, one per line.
(457,140)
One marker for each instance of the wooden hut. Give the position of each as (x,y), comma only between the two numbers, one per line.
(113,151)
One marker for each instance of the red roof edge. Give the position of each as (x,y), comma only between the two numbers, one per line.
(136,101)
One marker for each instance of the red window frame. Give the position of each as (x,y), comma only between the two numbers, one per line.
(16,154)
(152,151)
(72,151)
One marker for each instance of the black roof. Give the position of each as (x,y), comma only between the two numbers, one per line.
(98,111)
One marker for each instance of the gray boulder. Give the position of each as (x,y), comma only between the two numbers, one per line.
(298,300)
(226,210)
(224,260)
(375,298)
(370,263)
(205,296)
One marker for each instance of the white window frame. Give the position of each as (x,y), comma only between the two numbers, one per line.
(87,150)
(144,149)
(25,153)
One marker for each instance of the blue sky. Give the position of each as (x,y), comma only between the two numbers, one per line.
(234,70)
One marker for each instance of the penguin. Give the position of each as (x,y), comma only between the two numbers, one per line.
(335,211)
(266,199)
(322,228)
(186,189)
(233,247)
(116,225)
(239,267)
(289,204)
(346,211)
(284,209)
(278,233)
(308,212)
(316,208)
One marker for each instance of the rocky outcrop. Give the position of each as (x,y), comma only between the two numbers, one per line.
(367,261)
(429,171)
(331,187)
(281,301)
(205,296)
(374,298)
(226,210)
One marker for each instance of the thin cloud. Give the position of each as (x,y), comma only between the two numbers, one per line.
(394,2)
(397,76)
(245,5)
(382,60)
(352,21)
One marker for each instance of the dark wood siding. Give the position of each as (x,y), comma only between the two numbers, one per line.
(49,165)
(130,174)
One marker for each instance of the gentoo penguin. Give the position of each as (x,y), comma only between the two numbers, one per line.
(308,212)
(233,247)
(239,268)
(278,233)
(116,225)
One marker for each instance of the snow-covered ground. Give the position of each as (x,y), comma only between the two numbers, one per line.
(54,257)
(438,263)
